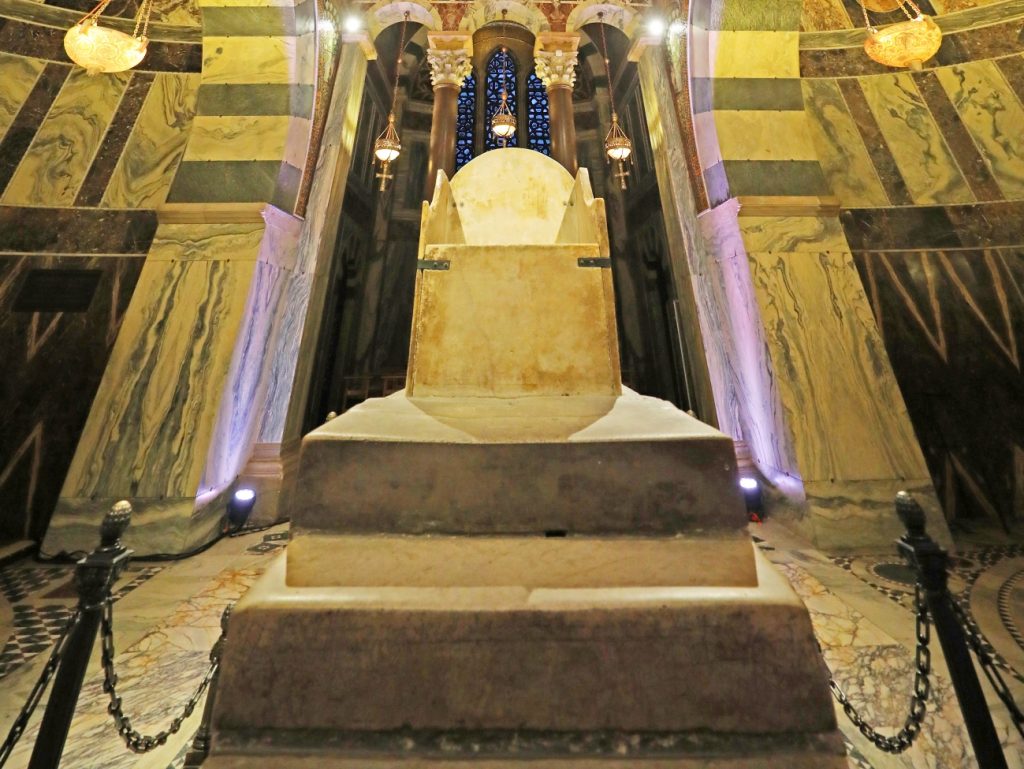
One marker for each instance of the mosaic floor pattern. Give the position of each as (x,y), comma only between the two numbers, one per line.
(167,617)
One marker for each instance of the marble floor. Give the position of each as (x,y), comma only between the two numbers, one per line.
(167,617)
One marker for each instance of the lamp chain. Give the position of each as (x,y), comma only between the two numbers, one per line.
(398,63)
(607,64)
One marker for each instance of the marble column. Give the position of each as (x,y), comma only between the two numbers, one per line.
(449,56)
(556,58)
(210,372)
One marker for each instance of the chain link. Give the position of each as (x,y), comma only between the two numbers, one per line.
(134,740)
(985,653)
(903,739)
(49,669)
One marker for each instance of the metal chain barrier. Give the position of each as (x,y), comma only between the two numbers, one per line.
(984,652)
(21,722)
(903,739)
(133,739)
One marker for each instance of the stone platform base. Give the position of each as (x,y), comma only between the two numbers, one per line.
(822,756)
(362,670)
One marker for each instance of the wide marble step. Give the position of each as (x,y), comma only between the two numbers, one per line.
(442,653)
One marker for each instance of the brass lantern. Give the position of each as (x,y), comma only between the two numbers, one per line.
(908,43)
(102,49)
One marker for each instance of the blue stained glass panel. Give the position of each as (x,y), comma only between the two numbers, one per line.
(537,115)
(501,61)
(465,122)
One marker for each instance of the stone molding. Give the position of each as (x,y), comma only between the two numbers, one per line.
(557,69)
(448,67)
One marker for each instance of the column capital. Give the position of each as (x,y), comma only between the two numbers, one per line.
(450,57)
(555,55)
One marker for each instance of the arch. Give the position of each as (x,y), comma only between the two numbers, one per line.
(387,12)
(615,14)
(482,13)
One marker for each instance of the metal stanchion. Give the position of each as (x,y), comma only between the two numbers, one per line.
(931,563)
(94,575)
(201,743)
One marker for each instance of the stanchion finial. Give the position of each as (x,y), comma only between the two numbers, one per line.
(114,523)
(911,513)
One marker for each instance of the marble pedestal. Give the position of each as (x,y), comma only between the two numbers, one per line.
(424,614)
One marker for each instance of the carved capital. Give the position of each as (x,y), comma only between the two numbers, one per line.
(448,67)
(557,69)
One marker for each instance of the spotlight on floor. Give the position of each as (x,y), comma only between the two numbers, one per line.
(677,28)
(752,497)
(239,507)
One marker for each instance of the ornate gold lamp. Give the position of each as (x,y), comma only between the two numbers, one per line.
(617,145)
(388,145)
(102,49)
(907,43)
(503,122)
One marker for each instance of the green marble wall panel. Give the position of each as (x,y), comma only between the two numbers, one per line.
(62,151)
(915,140)
(841,150)
(154,414)
(144,172)
(18,74)
(836,385)
(993,116)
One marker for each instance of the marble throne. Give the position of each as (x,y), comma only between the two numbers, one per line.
(517,559)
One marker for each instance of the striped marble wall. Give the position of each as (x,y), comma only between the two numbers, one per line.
(748,117)
(83,163)
(251,135)
(929,169)
(777,290)
(234,283)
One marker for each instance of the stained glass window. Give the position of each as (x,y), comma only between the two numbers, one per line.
(502,60)
(538,118)
(465,122)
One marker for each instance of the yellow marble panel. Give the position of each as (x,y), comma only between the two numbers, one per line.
(234,137)
(258,60)
(915,140)
(840,146)
(63,149)
(146,168)
(743,53)
(18,74)
(764,135)
(178,336)
(993,116)
(836,385)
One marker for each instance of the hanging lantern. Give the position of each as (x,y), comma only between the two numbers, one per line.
(908,43)
(102,49)
(617,145)
(388,146)
(503,122)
